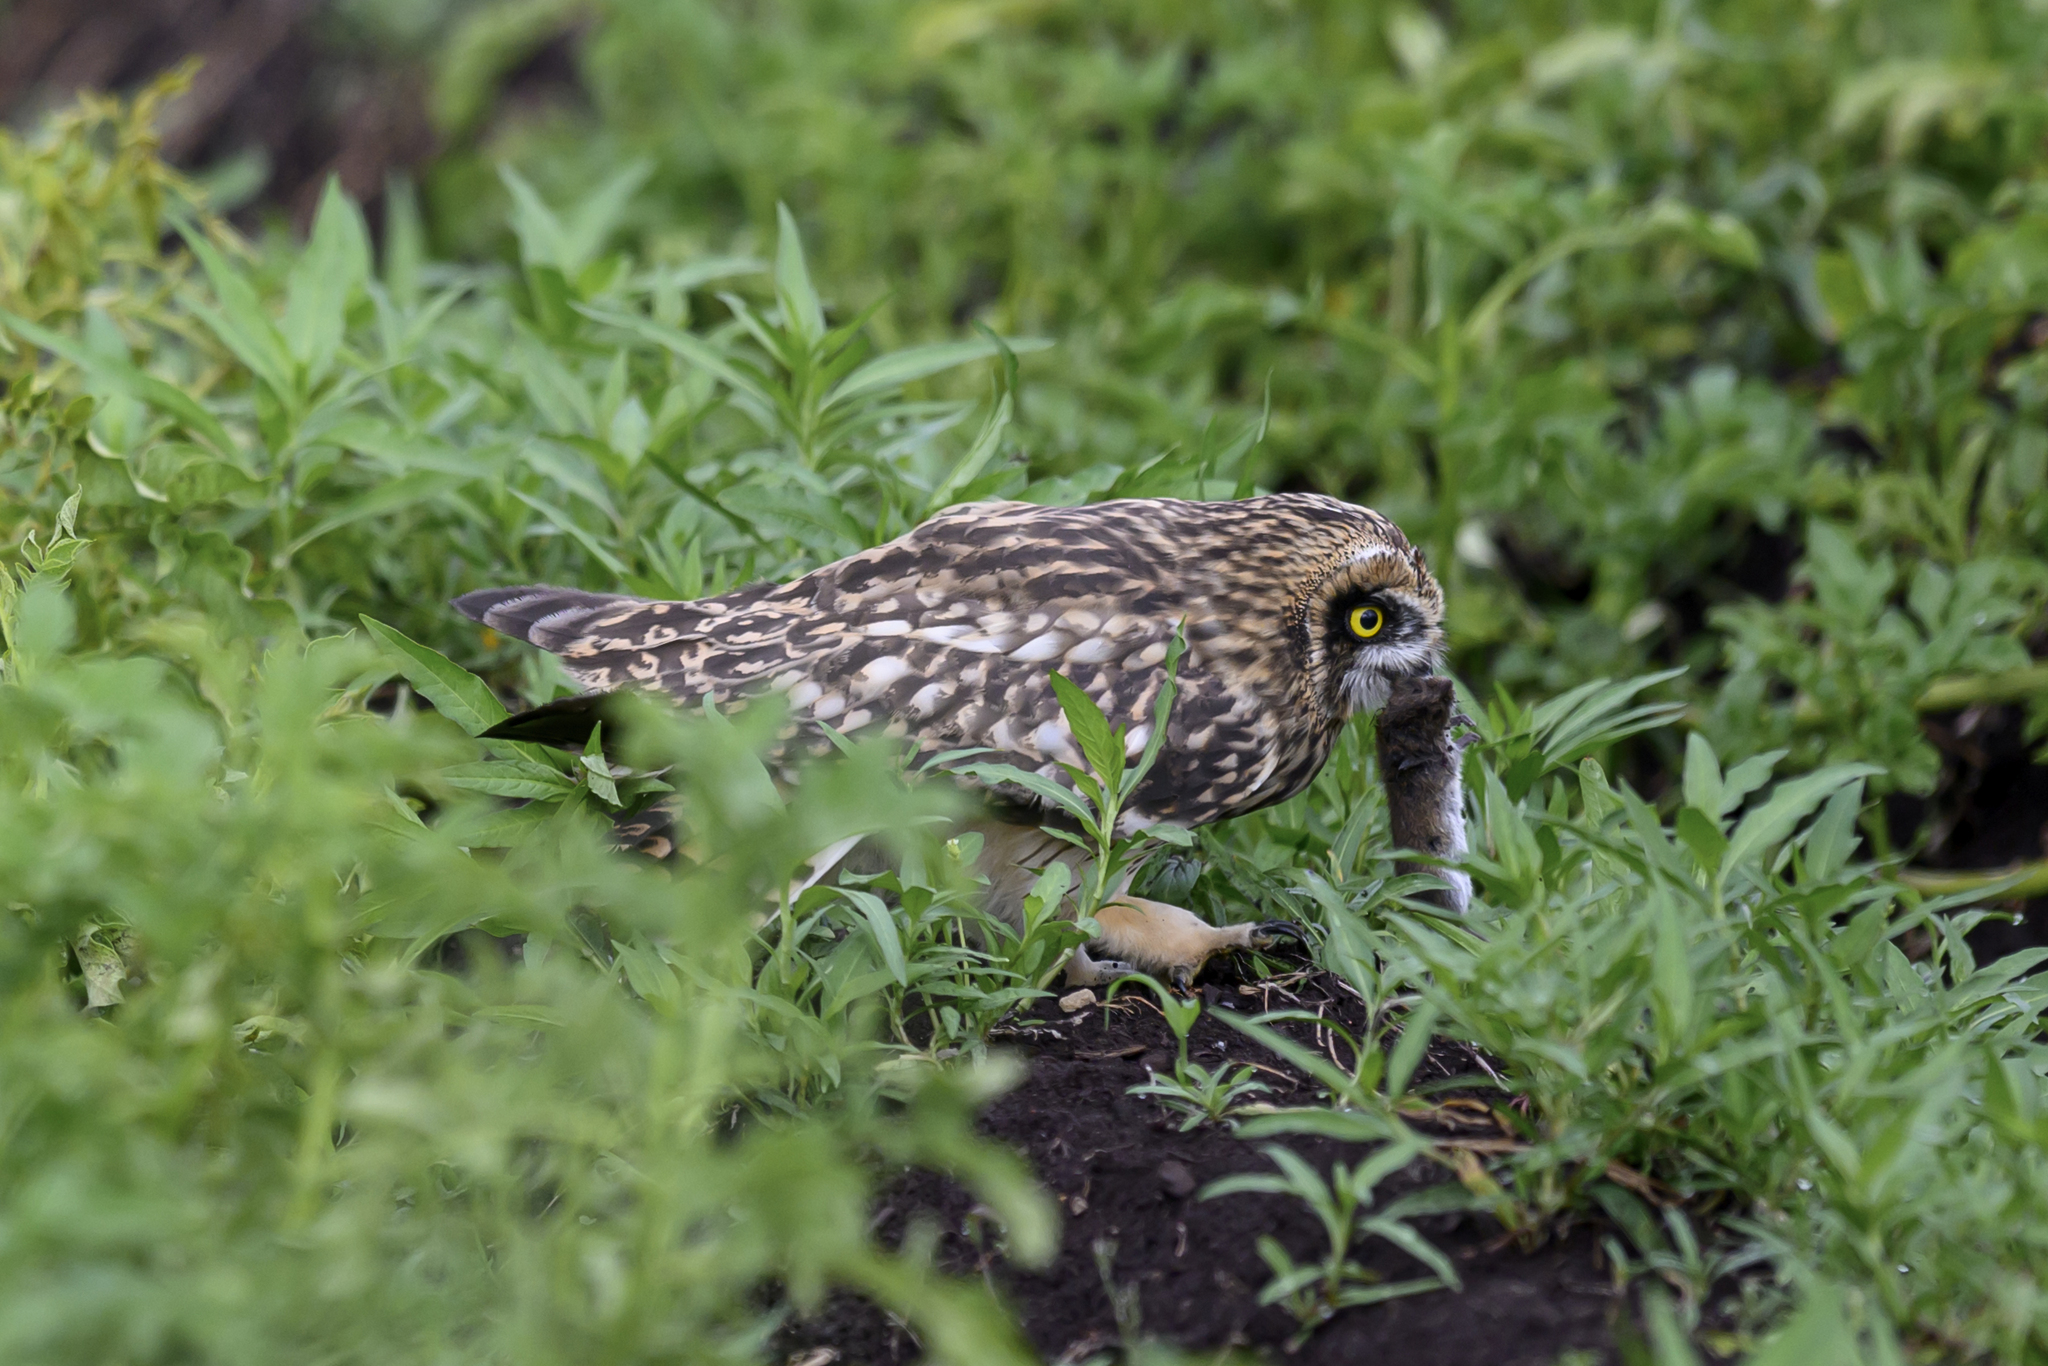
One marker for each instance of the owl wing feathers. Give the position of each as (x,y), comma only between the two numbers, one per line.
(945,638)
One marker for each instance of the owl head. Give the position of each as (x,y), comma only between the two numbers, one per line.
(1373,615)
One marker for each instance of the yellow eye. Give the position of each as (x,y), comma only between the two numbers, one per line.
(1367,621)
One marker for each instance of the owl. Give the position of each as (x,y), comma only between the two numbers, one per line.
(1297,610)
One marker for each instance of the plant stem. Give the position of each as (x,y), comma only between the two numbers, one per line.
(2032,879)
(1955,693)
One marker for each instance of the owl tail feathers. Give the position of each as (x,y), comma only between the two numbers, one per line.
(551,618)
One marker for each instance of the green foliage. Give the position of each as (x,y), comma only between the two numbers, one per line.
(1598,301)
(298,1128)
(1195,1092)
(1097,798)
(250,1105)
(1720,1004)
(1610,306)
(1861,694)
(1312,1293)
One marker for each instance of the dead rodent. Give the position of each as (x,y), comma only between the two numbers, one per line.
(1419,765)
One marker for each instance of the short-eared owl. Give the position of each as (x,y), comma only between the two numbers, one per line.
(1297,610)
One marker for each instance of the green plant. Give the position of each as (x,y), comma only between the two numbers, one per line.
(1721,1004)
(1195,1092)
(1668,1247)
(1100,792)
(294,1125)
(1202,1094)
(1313,1291)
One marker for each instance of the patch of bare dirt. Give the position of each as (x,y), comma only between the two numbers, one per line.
(1129,1183)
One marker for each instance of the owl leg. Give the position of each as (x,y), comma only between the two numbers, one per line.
(1142,935)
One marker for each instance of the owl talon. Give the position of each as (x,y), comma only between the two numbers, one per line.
(1263,935)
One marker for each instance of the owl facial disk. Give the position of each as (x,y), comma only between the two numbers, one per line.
(1381,621)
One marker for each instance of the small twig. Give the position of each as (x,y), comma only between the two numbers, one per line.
(1446,1114)
(1293,1082)
(1353,990)
(1026,1032)
(1486,1066)
(1482,1145)
(1328,1039)
(1651,1189)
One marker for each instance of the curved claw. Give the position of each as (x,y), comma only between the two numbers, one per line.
(1181,978)
(1264,932)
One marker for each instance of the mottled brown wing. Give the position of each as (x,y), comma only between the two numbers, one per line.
(947,637)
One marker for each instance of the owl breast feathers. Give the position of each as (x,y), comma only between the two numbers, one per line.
(946,637)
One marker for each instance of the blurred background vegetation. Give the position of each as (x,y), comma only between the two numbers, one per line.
(1677,334)
(1609,305)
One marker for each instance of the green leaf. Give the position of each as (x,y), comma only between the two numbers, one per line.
(1162,709)
(971,464)
(569,243)
(1835,1145)
(241,323)
(455,692)
(882,927)
(1789,804)
(898,368)
(1047,892)
(689,347)
(1358,1296)
(563,522)
(1416,1246)
(801,311)
(1409,1049)
(1701,835)
(326,276)
(1036,784)
(405,240)
(597,774)
(1833,838)
(1817,1335)
(506,827)
(781,508)
(1702,776)
(1671,975)
(407,490)
(515,778)
(120,377)
(1669,1345)
(1099,745)
(2011,1097)
(1745,778)
(1245,1183)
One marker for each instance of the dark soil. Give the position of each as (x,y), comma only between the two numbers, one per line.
(1129,1183)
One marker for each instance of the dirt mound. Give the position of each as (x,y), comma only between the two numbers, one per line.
(1186,1270)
